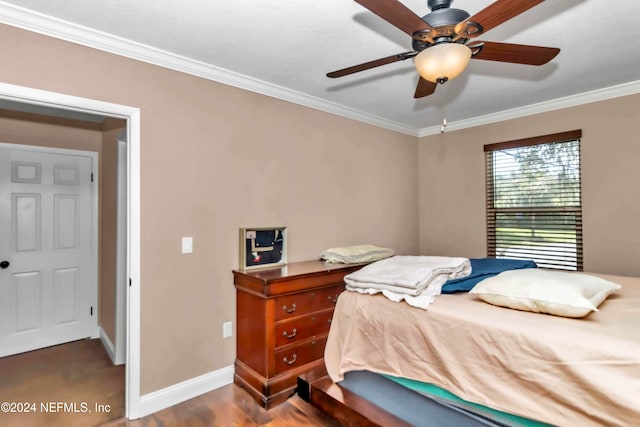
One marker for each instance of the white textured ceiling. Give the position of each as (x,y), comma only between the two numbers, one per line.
(291,45)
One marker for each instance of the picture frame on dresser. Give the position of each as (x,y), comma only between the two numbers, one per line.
(262,247)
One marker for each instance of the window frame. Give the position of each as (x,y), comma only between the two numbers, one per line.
(492,212)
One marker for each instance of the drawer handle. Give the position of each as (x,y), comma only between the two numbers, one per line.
(293,333)
(289,310)
(292,361)
(333,299)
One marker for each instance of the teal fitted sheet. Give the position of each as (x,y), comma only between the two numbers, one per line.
(441,394)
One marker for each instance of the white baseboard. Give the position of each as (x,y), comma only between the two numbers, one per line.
(177,393)
(108,345)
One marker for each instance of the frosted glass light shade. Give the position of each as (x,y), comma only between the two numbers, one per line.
(442,61)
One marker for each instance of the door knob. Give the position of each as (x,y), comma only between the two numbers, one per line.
(4,264)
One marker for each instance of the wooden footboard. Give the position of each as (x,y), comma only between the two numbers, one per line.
(351,410)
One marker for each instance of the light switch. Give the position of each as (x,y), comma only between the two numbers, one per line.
(187,245)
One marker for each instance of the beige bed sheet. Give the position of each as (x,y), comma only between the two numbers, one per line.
(566,372)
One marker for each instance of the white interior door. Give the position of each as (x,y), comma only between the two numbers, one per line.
(48,286)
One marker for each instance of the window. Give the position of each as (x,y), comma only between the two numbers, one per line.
(534,207)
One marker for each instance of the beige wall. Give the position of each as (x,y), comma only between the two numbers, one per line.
(452,189)
(29,130)
(35,130)
(214,159)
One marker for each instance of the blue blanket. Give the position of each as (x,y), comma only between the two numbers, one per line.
(481,268)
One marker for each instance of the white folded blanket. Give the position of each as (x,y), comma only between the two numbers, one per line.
(416,279)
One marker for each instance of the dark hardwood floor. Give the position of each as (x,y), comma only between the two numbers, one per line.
(80,373)
(43,381)
(232,406)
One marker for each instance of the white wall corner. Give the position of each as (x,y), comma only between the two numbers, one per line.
(108,345)
(177,393)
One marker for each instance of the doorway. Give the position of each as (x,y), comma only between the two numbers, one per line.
(48,230)
(61,102)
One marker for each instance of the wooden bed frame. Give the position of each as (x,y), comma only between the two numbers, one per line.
(351,410)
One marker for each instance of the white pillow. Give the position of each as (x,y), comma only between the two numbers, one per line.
(542,291)
(355,254)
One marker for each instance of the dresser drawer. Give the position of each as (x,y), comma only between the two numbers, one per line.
(290,306)
(293,356)
(302,327)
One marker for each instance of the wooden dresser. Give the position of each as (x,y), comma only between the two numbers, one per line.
(283,317)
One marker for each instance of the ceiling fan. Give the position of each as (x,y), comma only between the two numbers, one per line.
(441,39)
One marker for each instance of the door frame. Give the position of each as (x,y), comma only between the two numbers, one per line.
(132,116)
(121,251)
(95,168)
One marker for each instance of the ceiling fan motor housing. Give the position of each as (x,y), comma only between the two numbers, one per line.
(443,19)
(439,4)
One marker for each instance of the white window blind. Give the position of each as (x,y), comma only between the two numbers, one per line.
(534,204)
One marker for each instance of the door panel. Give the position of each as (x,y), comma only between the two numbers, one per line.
(48,294)
(66,221)
(28,173)
(26,222)
(66,290)
(26,291)
(65,175)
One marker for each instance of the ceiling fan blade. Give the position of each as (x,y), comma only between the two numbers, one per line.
(496,14)
(371,64)
(396,14)
(515,53)
(424,88)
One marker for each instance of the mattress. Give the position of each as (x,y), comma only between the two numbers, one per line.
(556,370)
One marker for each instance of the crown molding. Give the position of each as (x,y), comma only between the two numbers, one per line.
(50,26)
(624,89)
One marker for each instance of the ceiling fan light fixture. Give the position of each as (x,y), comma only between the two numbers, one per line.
(442,62)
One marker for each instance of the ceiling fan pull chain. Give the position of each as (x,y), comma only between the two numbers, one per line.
(443,107)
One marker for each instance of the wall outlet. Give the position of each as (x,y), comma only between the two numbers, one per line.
(227,329)
(187,245)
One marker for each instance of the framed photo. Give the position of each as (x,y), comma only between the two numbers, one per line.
(263,247)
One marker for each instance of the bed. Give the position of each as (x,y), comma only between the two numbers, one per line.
(495,365)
